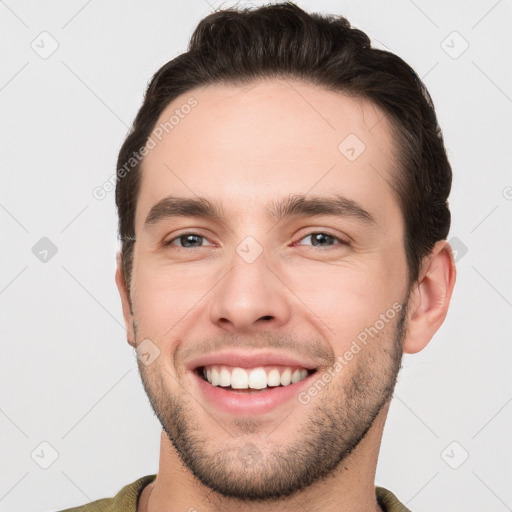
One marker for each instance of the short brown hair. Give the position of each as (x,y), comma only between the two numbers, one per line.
(237,46)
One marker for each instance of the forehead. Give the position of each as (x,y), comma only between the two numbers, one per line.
(265,140)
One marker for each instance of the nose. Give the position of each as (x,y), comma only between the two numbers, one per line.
(250,297)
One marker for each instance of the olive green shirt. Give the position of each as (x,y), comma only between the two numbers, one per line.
(127,499)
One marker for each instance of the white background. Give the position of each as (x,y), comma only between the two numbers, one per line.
(67,375)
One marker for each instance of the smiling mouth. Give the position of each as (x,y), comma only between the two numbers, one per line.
(251,380)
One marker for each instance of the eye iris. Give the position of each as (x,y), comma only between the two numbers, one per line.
(184,239)
(322,237)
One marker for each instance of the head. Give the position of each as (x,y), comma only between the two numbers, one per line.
(309,213)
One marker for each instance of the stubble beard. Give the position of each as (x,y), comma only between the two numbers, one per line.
(247,466)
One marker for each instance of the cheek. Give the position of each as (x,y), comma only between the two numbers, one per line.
(347,302)
(163,297)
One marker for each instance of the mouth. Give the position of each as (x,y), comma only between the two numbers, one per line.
(251,391)
(251,380)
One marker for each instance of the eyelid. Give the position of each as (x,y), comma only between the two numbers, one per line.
(344,239)
(165,243)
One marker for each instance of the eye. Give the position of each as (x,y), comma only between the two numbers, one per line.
(321,239)
(187,240)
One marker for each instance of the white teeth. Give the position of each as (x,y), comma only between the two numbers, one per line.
(273,378)
(298,375)
(286,377)
(225,377)
(256,378)
(239,379)
(295,376)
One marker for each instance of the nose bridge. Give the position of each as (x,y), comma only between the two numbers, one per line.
(250,294)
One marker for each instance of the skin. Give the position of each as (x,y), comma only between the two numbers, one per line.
(244,147)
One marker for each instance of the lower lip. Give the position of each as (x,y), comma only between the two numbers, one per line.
(250,403)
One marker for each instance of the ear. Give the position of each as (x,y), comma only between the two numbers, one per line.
(430,297)
(125,301)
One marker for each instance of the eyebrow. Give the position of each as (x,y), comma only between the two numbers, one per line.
(290,206)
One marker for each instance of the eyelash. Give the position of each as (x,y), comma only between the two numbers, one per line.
(342,242)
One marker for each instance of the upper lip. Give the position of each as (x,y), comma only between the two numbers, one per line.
(251,360)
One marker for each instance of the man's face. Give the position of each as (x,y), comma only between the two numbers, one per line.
(311,287)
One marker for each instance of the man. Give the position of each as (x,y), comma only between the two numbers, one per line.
(283,214)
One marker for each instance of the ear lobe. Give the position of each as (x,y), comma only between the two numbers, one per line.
(125,301)
(430,298)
